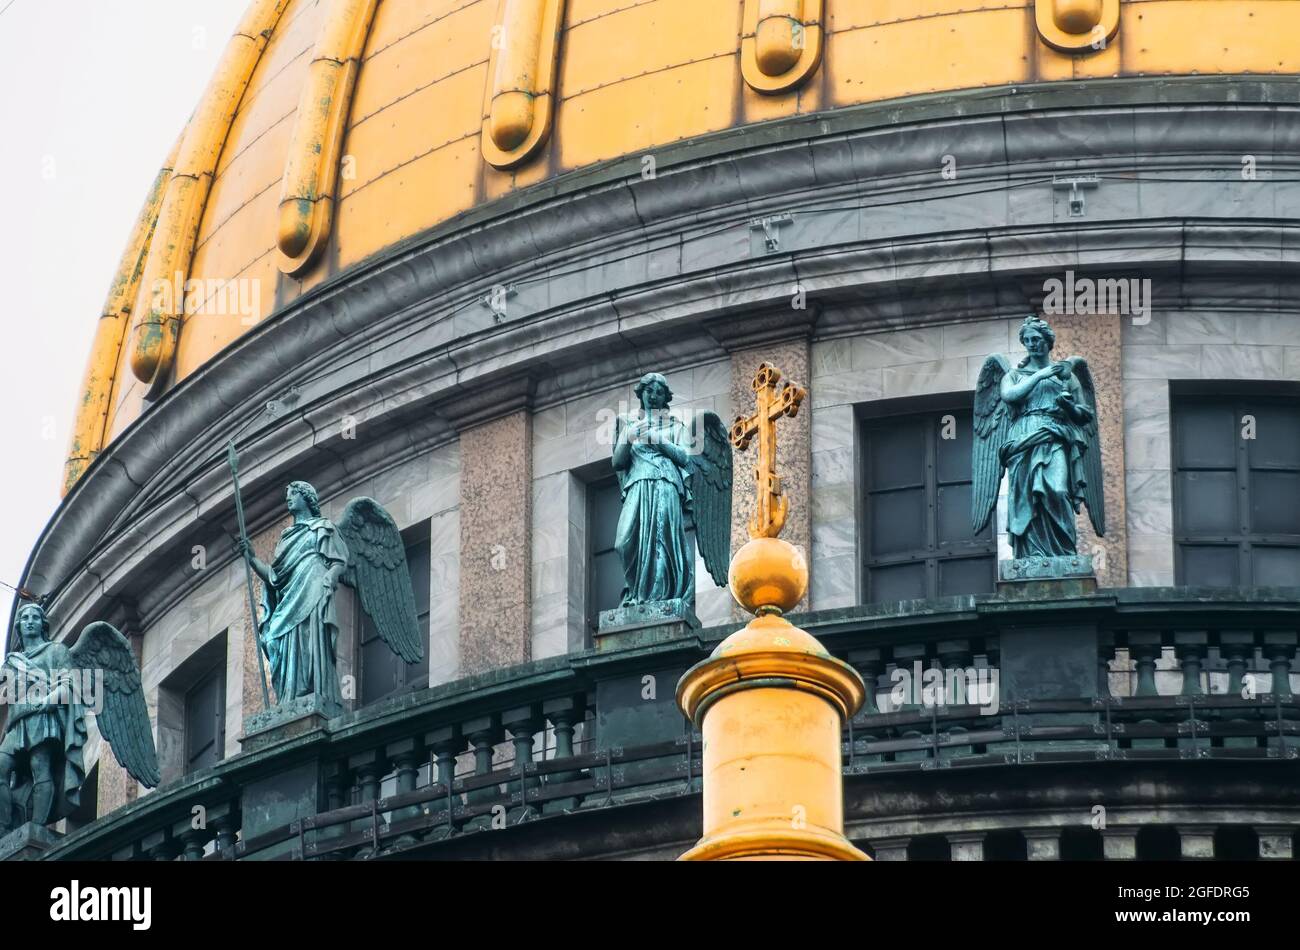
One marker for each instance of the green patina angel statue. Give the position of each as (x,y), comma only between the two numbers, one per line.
(670,474)
(49,688)
(1037,423)
(299,621)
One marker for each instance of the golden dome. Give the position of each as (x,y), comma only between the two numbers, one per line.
(334,129)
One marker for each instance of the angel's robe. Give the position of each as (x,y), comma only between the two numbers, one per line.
(658,558)
(1043,456)
(300,628)
(32,720)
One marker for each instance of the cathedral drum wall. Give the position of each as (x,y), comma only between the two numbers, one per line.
(467,378)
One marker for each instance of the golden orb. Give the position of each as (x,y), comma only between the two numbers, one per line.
(1076,16)
(768,572)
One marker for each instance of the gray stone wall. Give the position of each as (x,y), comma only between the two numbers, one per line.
(1184,345)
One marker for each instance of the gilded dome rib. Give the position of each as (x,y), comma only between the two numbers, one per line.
(311,173)
(155,329)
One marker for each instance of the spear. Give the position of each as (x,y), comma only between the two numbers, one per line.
(233,458)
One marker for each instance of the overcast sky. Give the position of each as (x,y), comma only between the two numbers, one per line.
(92,95)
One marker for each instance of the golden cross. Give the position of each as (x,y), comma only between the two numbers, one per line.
(770,512)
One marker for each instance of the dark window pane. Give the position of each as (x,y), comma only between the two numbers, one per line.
(1210,566)
(1206,436)
(954,454)
(1275,502)
(418,557)
(379,667)
(897,455)
(902,582)
(1275,566)
(974,575)
(954,514)
(606,503)
(927,512)
(606,582)
(1208,503)
(1277,436)
(204,718)
(898,521)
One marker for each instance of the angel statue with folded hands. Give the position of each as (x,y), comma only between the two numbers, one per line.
(672,475)
(1037,423)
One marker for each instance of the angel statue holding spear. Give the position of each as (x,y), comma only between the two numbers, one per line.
(299,620)
(1037,423)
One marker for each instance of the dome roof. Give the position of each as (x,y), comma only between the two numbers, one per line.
(334,129)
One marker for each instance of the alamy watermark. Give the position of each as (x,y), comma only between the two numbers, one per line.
(945,686)
(1129,296)
(37,687)
(211,296)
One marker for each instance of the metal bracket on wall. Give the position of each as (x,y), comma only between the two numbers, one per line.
(769,226)
(277,407)
(497,298)
(1075,183)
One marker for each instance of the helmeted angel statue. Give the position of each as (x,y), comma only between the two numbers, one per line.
(50,688)
(299,624)
(670,475)
(1037,422)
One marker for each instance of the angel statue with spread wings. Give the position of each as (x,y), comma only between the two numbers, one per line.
(670,475)
(49,688)
(1037,423)
(299,622)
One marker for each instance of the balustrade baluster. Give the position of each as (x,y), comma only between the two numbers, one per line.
(868,663)
(523,723)
(956,658)
(406,755)
(564,714)
(483,732)
(906,658)
(1190,647)
(224,820)
(369,767)
(159,845)
(1238,649)
(446,743)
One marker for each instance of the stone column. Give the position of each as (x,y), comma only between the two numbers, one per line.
(891,849)
(1096,337)
(1043,844)
(968,846)
(1274,842)
(495,543)
(1197,842)
(1119,844)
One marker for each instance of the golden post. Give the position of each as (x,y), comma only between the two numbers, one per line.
(770,701)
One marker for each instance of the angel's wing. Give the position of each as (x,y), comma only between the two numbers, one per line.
(1093,494)
(123,719)
(711,490)
(377,569)
(991,423)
